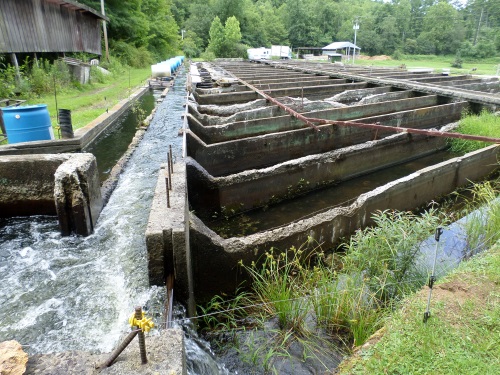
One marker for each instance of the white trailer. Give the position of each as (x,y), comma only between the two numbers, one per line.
(261,53)
(283,52)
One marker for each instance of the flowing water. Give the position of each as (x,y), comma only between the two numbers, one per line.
(68,293)
(117,137)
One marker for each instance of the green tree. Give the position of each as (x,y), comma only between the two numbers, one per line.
(217,36)
(442,29)
(232,36)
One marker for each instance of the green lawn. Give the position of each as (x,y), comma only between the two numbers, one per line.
(462,335)
(486,66)
(92,100)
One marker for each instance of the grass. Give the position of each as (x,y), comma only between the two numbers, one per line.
(486,124)
(483,66)
(87,102)
(461,337)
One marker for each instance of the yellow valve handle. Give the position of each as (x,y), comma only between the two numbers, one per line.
(145,324)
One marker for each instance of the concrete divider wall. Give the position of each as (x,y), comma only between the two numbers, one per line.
(256,188)
(215,260)
(257,152)
(65,184)
(282,122)
(167,237)
(27,184)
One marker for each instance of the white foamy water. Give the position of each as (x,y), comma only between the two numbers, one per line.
(74,293)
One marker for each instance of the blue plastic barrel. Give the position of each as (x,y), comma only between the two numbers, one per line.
(27,123)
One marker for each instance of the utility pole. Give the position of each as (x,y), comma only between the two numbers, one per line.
(105,31)
(478,26)
(355,28)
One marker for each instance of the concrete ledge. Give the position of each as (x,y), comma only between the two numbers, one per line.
(64,184)
(215,260)
(166,355)
(261,151)
(165,232)
(278,120)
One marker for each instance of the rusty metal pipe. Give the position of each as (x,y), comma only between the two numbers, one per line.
(127,340)
(432,133)
(142,339)
(278,103)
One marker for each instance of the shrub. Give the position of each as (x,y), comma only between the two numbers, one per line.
(458,61)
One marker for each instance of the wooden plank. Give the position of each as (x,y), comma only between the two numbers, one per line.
(24,32)
(42,37)
(4,36)
(12,27)
(33,40)
(29,32)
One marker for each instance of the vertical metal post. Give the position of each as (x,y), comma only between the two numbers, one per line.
(169,164)
(140,334)
(432,277)
(168,193)
(356,28)
(171,159)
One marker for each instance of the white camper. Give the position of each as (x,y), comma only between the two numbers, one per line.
(282,52)
(261,53)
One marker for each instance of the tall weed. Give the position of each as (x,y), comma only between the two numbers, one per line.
(487,124)
(482,226)
(387,253)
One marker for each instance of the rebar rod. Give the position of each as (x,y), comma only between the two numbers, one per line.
(142,339)
(127,340)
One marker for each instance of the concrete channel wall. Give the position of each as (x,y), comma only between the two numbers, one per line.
(41,177)
(215,260)
(283,122)
(257,188)
(257,152)
(167,232)
(66,185)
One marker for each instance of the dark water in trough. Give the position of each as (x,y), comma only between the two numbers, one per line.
(319,200)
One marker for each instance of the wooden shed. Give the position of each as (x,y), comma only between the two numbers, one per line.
(28,26)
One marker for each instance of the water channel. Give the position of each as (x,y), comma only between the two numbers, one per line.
(319,200)
(74,293)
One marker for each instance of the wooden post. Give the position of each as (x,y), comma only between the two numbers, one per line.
(13,58)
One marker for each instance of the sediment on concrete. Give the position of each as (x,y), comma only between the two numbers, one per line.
(261,151)
(66,185)
(215,260)
(278,121)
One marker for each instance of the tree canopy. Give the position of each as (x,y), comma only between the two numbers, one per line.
(153,27)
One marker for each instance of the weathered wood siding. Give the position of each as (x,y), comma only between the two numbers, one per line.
(47,26)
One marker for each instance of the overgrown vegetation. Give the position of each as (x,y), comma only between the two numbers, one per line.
(343,297)
(487,124)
